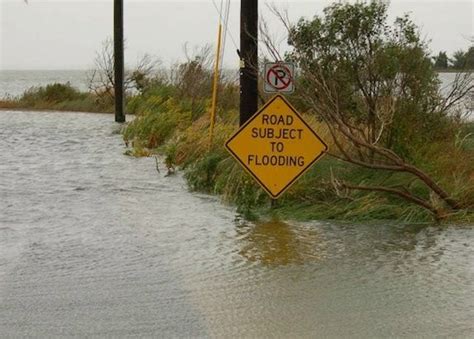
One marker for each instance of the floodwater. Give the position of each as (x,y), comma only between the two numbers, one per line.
(94,243)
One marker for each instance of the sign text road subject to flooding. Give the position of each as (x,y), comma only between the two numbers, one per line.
(276,146)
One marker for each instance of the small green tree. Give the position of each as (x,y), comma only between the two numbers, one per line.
(459,60)
(470,58)
(441,61)
(375,87)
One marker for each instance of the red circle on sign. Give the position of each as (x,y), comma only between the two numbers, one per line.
(281,81)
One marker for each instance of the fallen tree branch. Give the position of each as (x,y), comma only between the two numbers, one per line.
(401,193)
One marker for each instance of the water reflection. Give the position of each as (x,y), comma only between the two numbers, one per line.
(403,238)
(278,243)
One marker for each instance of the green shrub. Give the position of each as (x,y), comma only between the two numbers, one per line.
(53,93)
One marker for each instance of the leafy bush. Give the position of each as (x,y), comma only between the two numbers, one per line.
(375,87)
(53,93)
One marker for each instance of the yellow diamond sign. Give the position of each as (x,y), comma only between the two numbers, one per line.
(276,146)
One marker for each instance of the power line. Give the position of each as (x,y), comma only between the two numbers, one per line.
(226,25)
(224,39)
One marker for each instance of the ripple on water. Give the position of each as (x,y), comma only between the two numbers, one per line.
(94,243)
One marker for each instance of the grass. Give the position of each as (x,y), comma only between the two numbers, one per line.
(58,97)
(178,130)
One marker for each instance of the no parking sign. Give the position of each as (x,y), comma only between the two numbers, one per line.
(279,77)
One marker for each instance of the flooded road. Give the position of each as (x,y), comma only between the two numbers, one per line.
(95,243)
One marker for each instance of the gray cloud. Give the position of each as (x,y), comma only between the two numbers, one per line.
(65,34)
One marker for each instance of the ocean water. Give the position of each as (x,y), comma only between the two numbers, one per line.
(14,83)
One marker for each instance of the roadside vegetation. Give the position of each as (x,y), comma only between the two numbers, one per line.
(399,147)
(59,97)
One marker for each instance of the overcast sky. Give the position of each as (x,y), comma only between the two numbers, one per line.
(65,34)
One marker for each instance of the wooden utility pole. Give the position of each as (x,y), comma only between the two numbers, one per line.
(249,59)
(118,61)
